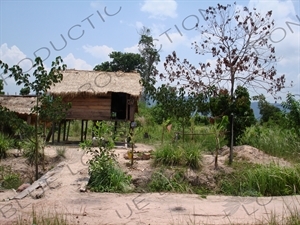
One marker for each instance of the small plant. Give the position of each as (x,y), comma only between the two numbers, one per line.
(187,154)
(105,174)
(8,178)
(44,218)
(262,180)
(5,144)
(61,152)
(29,152)
(161,182)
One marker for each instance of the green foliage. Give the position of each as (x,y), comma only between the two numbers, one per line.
(44,218)
(105,174)
(220,105)
(1,87)
(53,109)
(29,148)
(41,83)
(273,141)
(188,155)
(5,144)
(262,180)
(11,125)
(162,182)
(61,152)
(293,116)
(25,91)
(158,113)
(151,58)
(8,178)
(126,62)
(268,111)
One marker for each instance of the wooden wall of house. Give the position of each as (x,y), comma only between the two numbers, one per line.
(90,107)
(100,107)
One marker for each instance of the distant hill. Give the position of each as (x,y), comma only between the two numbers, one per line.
(254,106)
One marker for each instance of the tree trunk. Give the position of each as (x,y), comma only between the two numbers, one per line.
(36,143)
(231,139)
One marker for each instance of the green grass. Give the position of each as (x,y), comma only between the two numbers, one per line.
(273,141)
(8,178)
(261,180)
(44,218)
(186,154)
(161,181)
(5,144)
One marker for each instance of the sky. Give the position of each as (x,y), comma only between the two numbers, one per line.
(83,33)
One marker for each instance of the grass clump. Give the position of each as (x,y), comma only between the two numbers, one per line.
(61,151)
(43,218)
(161,181)
(5,144)
(105,173)
(8,178)
(188,155)
(273,141)
(262,180)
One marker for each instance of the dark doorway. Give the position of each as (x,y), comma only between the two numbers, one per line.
(118,106)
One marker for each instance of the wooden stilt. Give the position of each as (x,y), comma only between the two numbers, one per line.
(59,131)
(85,131)
(68,130)
(81,135)
(65,127)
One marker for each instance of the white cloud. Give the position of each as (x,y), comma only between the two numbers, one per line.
(160,9)
(96,4)
(13,56)
(132,49)
(74,63)
(170,41)
(97,51)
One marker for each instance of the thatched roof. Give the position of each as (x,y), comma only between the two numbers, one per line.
(97,82)
(17,103)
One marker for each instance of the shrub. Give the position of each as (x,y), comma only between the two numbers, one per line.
(29,152)
(61,152)
(187,154)
(273,140)
(8,178)
(161,182)
(105,174)
(5,144)
(263,180)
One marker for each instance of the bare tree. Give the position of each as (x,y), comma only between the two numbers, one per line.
(238,41)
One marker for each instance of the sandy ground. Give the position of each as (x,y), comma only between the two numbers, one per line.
(59,192)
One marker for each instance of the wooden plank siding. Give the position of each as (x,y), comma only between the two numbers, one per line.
(90,108)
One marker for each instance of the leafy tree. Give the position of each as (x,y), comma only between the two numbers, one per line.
(25,91)
(126,62)
(11,125)
(42,82)
(293,114)
(151,58)
(267,111)
(238,41)
(220,106)
(1,87)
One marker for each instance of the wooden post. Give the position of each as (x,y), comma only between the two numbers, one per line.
(59,131)
(81,135)
(85,131)
(53,131)
(68,130)
(65,125)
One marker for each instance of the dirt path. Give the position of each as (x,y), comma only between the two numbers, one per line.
(60,193)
